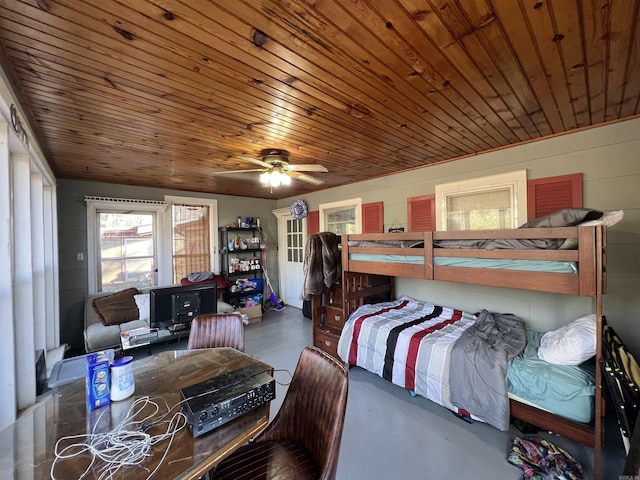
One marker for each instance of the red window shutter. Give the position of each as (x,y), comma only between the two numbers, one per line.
(373,217)
(313,222)
(421,213)
(547,195)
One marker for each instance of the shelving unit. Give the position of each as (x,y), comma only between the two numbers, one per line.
(241,263)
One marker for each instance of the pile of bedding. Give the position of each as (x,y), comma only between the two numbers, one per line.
(454,358)
(567,217)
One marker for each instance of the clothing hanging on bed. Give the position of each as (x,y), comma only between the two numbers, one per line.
(322,263)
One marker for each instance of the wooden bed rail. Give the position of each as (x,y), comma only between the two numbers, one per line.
(422,263)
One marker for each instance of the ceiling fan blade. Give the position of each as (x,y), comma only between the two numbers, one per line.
(305,178)
(238,171)
(307,168)
(254,160)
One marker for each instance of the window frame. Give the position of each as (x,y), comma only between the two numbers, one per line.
(327,208)
(163,237)
(95,206)
(516,181)
(213,226)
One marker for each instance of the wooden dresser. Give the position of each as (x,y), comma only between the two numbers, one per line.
(331,308)
(328,316)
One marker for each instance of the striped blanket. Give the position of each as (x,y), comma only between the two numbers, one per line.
(415,344)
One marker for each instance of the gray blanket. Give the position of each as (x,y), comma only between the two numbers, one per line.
(479,366)
(567,217)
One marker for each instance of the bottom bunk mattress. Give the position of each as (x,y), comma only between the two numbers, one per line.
(454,358)
(565,390)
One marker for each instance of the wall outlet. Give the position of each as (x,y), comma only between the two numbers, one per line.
(80,257)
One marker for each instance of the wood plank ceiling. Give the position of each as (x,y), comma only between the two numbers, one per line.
(162,93)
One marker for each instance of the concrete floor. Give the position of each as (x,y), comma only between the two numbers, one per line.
(390,435)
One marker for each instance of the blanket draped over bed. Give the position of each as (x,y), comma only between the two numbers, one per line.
(479,359)
(567,217)
(434,351)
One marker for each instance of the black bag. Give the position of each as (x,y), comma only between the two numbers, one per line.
(306,308)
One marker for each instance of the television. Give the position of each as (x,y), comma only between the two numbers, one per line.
(174,308)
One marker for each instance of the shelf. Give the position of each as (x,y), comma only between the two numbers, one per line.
(246,293)
(251,274)
(251,255)
(241,250)
(240,229)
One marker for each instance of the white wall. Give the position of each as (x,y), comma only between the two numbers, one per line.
(28,258)
(608,158)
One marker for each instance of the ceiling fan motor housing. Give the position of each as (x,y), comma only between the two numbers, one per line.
(275,156)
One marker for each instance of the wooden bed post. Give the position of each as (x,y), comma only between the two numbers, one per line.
(599,400)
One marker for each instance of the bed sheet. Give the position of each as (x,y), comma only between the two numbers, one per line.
(566,390)
(497,263)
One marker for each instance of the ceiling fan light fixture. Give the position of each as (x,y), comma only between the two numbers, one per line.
(276,169)
(275,178)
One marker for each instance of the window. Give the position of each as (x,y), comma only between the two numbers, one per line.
(496,201)
(191,240)
(148,243)
(295,242)
(126,250)
(341,217)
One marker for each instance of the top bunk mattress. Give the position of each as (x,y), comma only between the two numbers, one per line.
(493,263)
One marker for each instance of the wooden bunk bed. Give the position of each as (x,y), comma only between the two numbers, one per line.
(371,261)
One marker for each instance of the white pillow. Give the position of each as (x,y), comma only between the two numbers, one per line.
(142,302)
(570,344)
(224,307)
(608,219)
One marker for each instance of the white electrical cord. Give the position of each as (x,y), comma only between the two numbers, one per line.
(127,444)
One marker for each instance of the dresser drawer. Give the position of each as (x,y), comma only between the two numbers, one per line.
(334,317)
(326,341)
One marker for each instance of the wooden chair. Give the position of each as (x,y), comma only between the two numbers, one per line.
(217,330)
(303,440)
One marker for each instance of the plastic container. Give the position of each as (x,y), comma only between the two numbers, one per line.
(97,380)
(122,381)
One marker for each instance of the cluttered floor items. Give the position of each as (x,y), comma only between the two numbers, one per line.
(540,459)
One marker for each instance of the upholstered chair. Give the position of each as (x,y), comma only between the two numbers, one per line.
(217,330)
(303,440)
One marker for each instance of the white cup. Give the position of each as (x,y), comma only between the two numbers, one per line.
(122,381)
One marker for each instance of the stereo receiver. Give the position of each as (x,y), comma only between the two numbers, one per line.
(214,402)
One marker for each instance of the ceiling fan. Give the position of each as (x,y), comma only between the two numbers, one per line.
(276,169)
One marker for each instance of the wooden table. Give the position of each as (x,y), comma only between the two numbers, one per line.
(27,446)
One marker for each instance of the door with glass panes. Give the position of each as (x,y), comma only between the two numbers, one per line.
(291,245)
